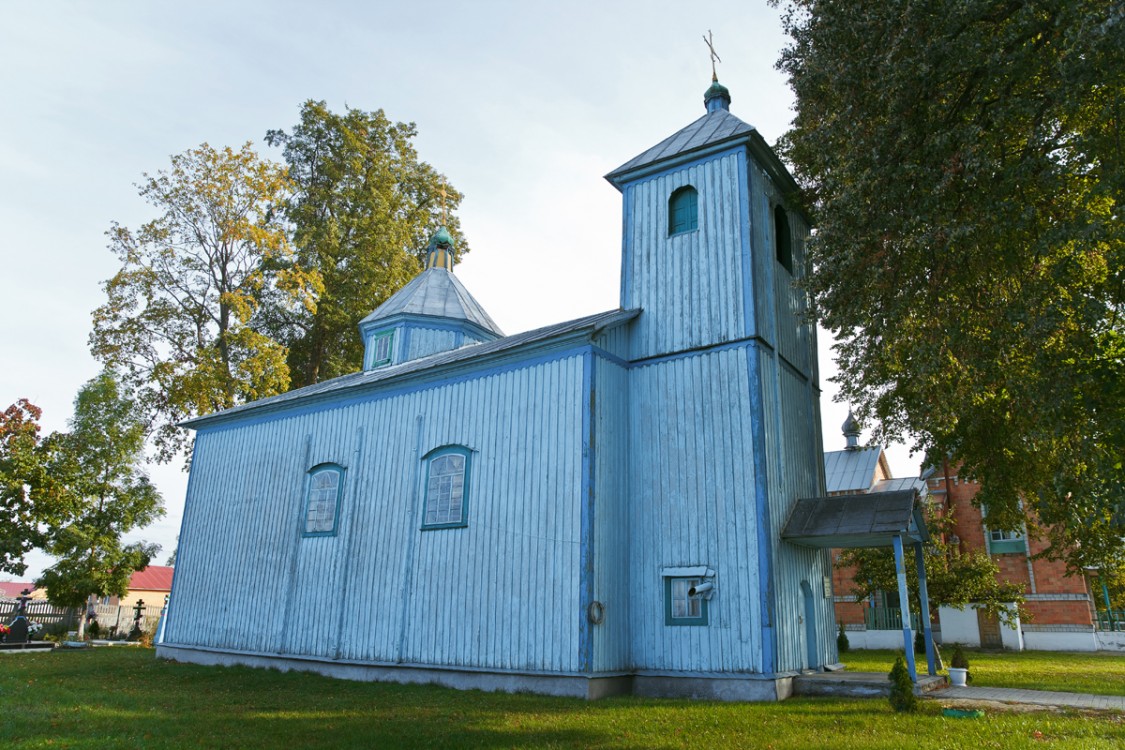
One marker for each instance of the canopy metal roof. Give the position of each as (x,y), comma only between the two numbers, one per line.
(864,520)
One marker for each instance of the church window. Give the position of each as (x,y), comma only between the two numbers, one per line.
(683,210)
(326,484)
(682,606)
(447,488)
(783,241)
(381,348)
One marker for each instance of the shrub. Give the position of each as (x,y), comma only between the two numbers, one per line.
(902,696)
(960,661)
(842,644)
(919,642)
(93,629)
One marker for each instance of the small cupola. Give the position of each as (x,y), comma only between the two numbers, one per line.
(440,251)
(851,432)
(717,96)
(433,313)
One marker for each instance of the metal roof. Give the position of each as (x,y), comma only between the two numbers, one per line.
(437,293)
(152,578)
(860,520)
(851,470)
(905,483)
(714,127)
(433,364)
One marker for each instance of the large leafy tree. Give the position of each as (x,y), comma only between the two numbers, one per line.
(107,494)
(953,578)
(964,161)
(27,497)
(363,209)
(181,322)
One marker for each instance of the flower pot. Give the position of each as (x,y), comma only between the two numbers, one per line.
(957,676)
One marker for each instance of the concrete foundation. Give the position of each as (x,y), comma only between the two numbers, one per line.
(1110,641)
(713,687)
(859,684)
(723,687)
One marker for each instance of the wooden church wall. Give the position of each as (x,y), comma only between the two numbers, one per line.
(382,590)
(684,282)
(611,529)
(691,504)
(792,448)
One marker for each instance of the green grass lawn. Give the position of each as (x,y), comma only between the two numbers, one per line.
(1100,672)
(125,698)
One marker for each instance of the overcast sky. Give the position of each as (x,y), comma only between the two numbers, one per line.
(522,105)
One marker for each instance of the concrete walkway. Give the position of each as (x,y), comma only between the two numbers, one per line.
(1033,697)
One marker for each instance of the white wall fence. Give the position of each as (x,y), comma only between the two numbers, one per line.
(112,619)
(961,626)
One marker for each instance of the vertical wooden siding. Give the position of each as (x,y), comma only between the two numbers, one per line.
(691,487)
(422,342)
(687,283)
(488,595)
(611,519)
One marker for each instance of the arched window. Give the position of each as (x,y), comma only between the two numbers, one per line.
(683,210)
(783,241)
(447,488)
(322,504)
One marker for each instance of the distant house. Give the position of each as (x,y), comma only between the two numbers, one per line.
(150,585)
(13,589)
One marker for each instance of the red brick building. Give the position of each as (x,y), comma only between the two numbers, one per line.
(1061,606)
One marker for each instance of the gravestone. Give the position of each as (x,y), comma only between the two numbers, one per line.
(18,632)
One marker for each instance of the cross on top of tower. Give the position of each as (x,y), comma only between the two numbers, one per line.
(708,40)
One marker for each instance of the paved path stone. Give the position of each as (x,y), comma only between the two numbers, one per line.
(1034,697)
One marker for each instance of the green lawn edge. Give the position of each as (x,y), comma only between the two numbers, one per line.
(127,698)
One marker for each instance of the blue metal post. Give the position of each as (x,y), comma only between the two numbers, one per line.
(924,601)
(904,606)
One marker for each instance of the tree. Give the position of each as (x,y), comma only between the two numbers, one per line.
(953,578)
(963,161)
(362,213)
(98,463)
(26,496)
(182,316)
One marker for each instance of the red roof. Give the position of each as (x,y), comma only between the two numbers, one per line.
(152,578)
(12,589)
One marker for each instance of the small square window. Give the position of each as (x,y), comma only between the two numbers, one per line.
(680,607)
(381,349)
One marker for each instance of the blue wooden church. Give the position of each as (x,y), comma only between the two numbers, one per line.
(592,507)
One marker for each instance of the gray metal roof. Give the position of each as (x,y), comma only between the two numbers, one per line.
(437,293)
(862,520)
(904,483)
(713,127)
(417,368)
(851,470)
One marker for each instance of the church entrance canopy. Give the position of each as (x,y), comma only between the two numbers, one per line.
(876,519)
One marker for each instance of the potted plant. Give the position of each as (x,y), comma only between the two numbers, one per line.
(958,667)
